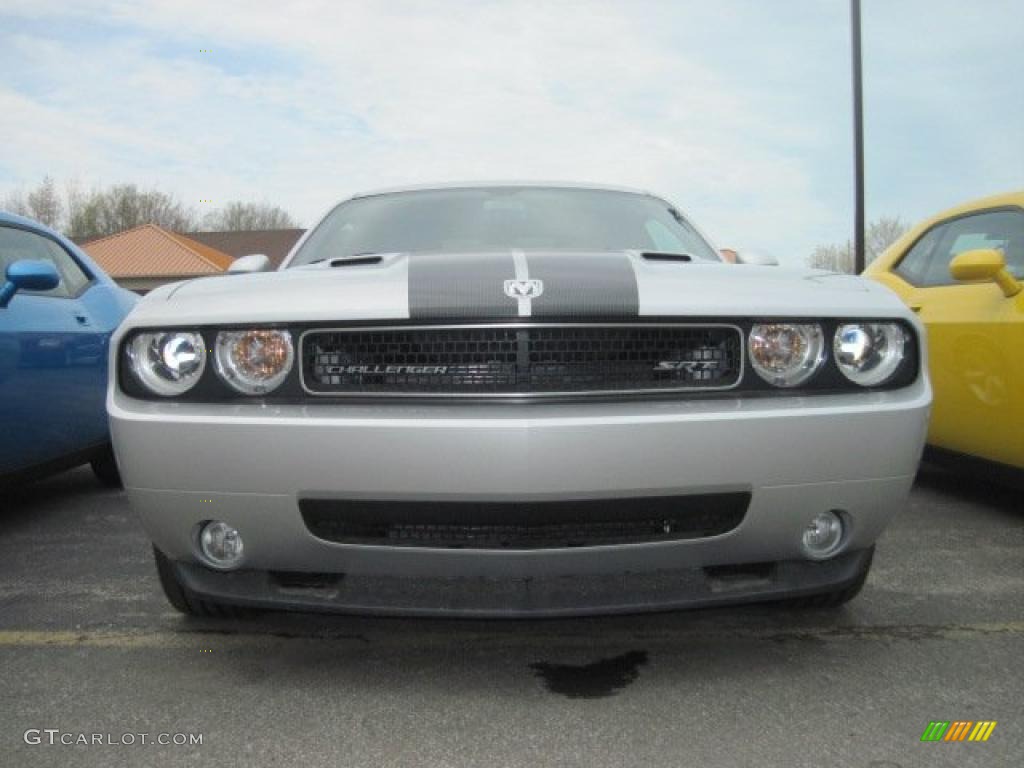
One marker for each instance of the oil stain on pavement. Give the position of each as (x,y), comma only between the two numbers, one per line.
(605,677)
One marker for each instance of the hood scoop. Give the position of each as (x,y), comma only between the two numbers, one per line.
(354,261)
(659,256)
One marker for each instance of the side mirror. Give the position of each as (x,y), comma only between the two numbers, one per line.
(254,262)
(984,264)
(28,275)
(757,258)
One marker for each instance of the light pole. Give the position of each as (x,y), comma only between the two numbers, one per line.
(858,141)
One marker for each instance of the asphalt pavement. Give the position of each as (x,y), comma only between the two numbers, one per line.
(90,650)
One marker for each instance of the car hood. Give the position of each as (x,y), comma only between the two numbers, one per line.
(514,285)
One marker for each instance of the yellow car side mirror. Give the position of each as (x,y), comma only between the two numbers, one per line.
(984,264)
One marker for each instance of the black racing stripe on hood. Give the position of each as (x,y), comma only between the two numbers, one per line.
(450,287)
(584,285)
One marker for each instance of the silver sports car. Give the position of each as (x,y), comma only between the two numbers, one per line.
(507,400)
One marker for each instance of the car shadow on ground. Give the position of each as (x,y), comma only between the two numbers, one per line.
(23,503)
(969,488)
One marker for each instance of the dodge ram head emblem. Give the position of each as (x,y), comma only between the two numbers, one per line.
(524,289)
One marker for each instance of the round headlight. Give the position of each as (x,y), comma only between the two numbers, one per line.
(167,363)
(786,354)
(869,353)
(254,362)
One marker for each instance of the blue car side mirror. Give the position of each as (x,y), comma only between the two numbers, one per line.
(28,275)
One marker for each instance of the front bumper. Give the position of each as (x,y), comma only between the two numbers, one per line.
(248,465)
(521,597)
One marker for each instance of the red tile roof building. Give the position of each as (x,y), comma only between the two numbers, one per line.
(142,258)
(272,243)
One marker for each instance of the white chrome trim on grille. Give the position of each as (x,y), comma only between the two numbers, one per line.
(516,395)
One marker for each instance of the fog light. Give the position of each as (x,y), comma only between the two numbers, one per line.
(823,535)
(221,545)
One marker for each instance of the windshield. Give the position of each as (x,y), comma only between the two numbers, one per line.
(502,218)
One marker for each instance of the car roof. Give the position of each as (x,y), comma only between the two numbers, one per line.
(1015,198)
(897,250)
(492,184)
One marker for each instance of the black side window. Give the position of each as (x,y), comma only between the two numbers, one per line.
(17,244)
(915,264)
(999,230)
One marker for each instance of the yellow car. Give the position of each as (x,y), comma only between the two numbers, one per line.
(963,273)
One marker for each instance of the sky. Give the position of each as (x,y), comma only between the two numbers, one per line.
(739,111)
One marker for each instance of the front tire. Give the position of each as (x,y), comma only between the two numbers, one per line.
(187,602)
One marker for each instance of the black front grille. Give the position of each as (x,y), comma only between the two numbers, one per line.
(523,525)
(510,360)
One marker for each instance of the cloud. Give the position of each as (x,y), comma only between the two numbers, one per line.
(945,117)
(736,111)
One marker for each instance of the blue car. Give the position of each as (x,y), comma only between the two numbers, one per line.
(57,312)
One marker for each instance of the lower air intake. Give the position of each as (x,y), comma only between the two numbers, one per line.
(523,525)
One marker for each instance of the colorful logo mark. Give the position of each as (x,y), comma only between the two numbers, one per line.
(958,730)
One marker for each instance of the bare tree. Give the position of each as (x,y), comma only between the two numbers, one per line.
(881,233)
(15,202)
(105,211)
(124,206)
(235,216)
(836,258)
(74,199)
(44,204)
(85,219)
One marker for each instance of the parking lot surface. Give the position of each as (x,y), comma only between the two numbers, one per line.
(89,646)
